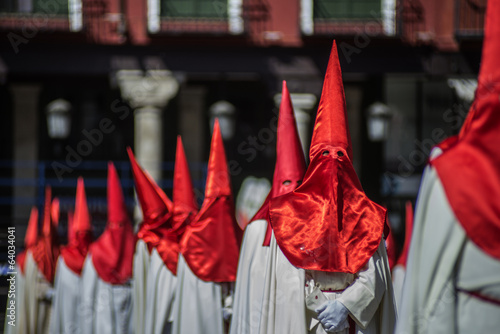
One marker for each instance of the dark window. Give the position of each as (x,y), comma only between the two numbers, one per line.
(193,9)
(346,9)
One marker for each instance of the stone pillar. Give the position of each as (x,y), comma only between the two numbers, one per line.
(148,93)
(302,105)
(25,103)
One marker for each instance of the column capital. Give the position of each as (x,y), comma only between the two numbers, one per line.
(153,88)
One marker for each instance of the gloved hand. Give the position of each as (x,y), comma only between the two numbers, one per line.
(333,316)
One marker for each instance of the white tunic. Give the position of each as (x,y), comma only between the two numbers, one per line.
(250,277)
(105,308)
(17,324)
(37,297)
(140,270)
(442,262)
(198,304)
(66,301)
(368,296)
(161,285)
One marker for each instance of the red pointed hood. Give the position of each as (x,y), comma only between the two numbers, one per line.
(112,254)
(211,243)
(329,207)
(185,207)
(30,239)
(55,211)
(408,232)
(156,206)
(81,232)
(331,126)
(31,236)
(46,251)
(475,157)
(290,162)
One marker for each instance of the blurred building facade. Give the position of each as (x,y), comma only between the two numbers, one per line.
(82,79)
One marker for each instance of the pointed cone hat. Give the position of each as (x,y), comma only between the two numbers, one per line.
(210,244)
(331,125)
(30,239)
(112,254)
(46,251)
(75,252)
(156,206)
(290,162)
(185,207)
(475,158)
(31,236)
(329,207)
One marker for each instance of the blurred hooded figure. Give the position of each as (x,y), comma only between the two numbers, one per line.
(452,282)
(156,212)
(66,304)
(105,287)
(40,269)
(288,173)
(208,257)
(328,270)
(30,239)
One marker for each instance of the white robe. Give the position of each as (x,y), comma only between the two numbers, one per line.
(66,301)
(105,308)
(161,285)
(37,297)
(368,297)
(198,304)
(250,277)
(398,278)
(17,325)
(441,261)
(139,285)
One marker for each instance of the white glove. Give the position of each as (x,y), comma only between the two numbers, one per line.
(333,316)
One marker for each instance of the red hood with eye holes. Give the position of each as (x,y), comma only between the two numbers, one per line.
(328,223)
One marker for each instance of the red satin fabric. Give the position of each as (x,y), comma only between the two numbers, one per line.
(46,251)
(469,171)
(475,161)
(74,253)
(212,241)
(328,223)
(155,205)
(168,249)
(112,254)
(408,233)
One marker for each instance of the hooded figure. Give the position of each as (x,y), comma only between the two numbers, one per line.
(161,279)
(156,212)
(40,266)
(399,269)
(65,311)
(30,239)
(105,287)
(288,173)
(452,279)
(209,250)
(332,236)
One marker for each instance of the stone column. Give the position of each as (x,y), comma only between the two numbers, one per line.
(25,103)
(148,93)
(302,105)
